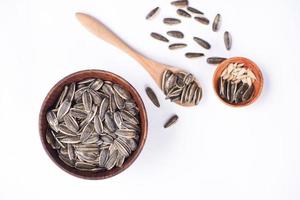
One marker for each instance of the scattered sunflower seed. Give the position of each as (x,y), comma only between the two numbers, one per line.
(202,20)
(171,21)
(215,60)
(194,55)
(152,96)
(202,42)
(194,10)
(175,34)
(227,40)
(183,13)
(152,13)
(177,46)
(180,3)
(171,121)
(159,37)
(217,23)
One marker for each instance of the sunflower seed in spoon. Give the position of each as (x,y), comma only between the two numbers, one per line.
(215,60)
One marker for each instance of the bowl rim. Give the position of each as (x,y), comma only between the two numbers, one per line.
(144,127)
(258,72)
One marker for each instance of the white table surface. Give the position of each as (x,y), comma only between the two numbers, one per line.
(214,151)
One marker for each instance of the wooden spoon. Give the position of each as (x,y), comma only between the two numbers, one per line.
(154,68)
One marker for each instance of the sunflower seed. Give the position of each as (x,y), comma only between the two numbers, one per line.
(202,20)
(175,34)
(227,40)
(183,13)
(98,124)
(194,55)
(152,96)
(71,92)
(111,162)
(63,109)
(159,37)
(118,119)
(87,101)
(171,121)
(171,21)
(78,113)
(71,123)
(217,23)
(104,154)
(97,84)
(177,46)
(52,120)
(122,92)
(62,96)
(109,122)
(215,60)
(103,108)
(202,42)
(120,160)
(66,160)
(194,10)
(180,3)
(152,13)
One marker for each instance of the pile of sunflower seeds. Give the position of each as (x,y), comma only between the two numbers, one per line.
(181,87)
(94,125)
(235,84)
(185,11)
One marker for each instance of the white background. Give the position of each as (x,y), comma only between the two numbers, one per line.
(214,151)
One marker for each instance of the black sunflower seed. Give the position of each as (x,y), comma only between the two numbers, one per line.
(177,46)
(171,121)
(159,37)
(152,96)
(202,42)
(202,20)
(171,21)
(152,13)
(227,40)
(194,55)
(176,34)
(183,13)
(180,3)
(194,10)
(217,23)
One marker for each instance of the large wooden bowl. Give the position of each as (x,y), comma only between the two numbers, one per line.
(51,99)
(258,83)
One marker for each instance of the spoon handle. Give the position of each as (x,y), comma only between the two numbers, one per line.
(101,31)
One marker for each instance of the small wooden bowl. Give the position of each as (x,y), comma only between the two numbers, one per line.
(51,99)
(258,83)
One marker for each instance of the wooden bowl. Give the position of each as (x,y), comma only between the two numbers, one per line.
(258,83)
(51,99)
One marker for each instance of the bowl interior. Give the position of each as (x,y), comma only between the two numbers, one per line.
(51,99)
(258,83)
